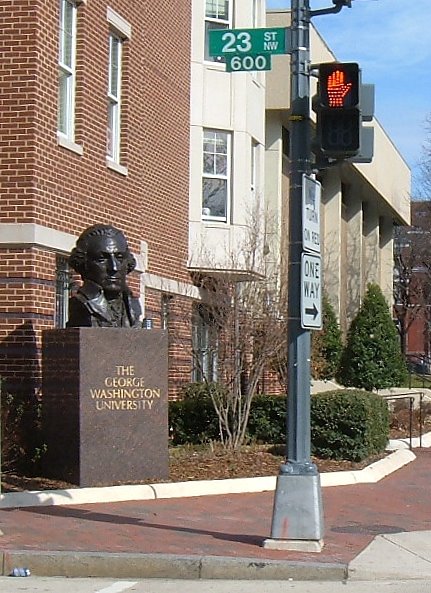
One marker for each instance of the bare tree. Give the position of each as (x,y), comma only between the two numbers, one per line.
(412,258)
(425,164)
(245,316)
(412,270)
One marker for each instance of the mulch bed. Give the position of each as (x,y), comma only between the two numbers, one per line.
(202,463)
(214,463)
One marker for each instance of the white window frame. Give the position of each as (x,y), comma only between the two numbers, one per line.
(227,177)
(62,291)
(205,344)
(114,97)
(121,31)
(216,23)
(66,110)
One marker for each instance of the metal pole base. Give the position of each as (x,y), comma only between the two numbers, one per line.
(296,545)
(297,521)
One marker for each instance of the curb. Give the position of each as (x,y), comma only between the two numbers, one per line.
(73,496)
(167,566)
(372,473)
(126,565)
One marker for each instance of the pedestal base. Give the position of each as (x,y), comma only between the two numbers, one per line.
(297,521)
(297,545)
(105,405)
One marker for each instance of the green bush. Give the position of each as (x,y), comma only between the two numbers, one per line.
(348,424)
(21,445)
(372,358)
(267,423)
(345,424)
(326,344)
(193,419)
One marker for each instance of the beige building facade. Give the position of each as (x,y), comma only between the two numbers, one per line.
(227,138)
(361,202)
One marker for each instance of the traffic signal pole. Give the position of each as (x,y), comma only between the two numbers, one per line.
(297,522)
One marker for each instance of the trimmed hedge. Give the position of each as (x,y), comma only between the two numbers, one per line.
(345,424)
(193,419)
(348,424)
(267,422)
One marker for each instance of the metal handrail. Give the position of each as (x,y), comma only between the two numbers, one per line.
(411,397)
(422,360)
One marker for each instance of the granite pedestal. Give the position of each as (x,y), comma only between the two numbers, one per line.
(105,405)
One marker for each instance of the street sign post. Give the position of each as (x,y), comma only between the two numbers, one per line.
(311,291)
(311,192)
(253,42)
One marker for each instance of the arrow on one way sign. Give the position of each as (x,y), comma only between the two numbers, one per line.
(312,312)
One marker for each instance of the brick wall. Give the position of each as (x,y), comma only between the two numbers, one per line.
(179,312)
(49,185)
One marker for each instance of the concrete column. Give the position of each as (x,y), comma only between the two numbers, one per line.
(370,245)
(331,234)
(386,258)
(352,267)
(274,214)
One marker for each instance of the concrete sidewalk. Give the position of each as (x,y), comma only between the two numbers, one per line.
(374,529)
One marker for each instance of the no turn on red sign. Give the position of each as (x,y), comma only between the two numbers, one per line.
(311,198)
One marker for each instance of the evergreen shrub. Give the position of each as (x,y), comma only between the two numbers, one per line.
(21,446)
(372,357)
(326,344)
(348,424)
(267,422)
(192,419)
(345,424)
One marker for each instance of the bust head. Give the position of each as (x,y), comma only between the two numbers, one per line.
(102,256)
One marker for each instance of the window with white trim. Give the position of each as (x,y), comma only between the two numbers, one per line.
(165,310)
(62,291)
(218,15)
(113,133)
(67,69)
(216,175)
(205,344)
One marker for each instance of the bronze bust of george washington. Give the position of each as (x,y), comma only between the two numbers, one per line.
(102,258)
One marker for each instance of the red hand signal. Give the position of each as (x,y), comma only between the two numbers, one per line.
(337,89)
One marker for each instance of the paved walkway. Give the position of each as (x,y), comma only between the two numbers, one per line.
(228,526)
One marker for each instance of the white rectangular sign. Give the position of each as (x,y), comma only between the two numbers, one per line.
(311,193)
(311,291)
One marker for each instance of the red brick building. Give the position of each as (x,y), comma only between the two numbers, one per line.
(94,128)
(412,283)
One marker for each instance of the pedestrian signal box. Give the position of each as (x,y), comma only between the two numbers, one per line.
(338,109)
(339,85)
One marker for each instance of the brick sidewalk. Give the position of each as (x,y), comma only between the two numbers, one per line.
(226,525)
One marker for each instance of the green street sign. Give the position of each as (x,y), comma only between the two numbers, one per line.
(230,42)
(248,63)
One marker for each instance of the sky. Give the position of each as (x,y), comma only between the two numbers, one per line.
(390,39)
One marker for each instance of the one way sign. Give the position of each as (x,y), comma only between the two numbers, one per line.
(311,292)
